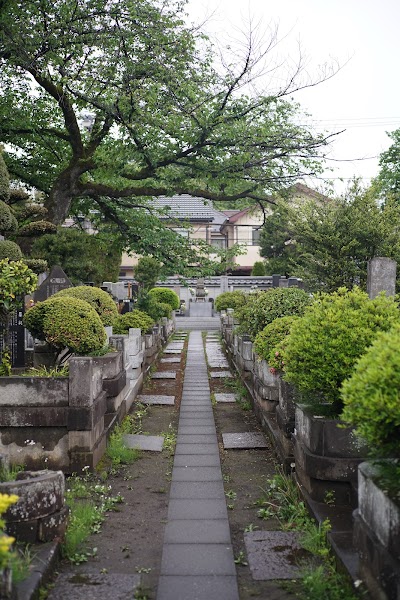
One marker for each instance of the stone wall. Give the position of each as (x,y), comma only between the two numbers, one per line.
(62,423)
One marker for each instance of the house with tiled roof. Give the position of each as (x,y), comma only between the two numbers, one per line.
(197,218)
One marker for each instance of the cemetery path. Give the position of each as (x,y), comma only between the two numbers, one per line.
(182,539)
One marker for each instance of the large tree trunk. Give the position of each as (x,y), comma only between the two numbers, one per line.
(65,188)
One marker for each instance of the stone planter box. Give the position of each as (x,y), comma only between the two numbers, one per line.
(327,457)
(40,514)
(377,536)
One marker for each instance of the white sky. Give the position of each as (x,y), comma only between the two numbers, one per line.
(363,97)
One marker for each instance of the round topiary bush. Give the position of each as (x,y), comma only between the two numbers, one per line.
(271,336)
(371,395)
(230,300)
(66,322)
(263,308)
(166,296)
(10,250)
(8,222)
(100,300)
(324,345)
(135,319)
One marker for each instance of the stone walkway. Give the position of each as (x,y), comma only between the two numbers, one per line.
(197,559)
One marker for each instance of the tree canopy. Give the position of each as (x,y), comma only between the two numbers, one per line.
(328,243)
(106,105)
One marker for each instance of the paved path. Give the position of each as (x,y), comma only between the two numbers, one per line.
(198,323)
(197,559)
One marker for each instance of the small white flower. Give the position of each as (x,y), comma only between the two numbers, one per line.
(357,583)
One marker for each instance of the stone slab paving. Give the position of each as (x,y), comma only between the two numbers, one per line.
(164,375)
(251,439)
(150,443)
(172,351)
(221,374)
(273,554)
(171,360)
(157,400)
(197,560)
(89,584)
(225,398)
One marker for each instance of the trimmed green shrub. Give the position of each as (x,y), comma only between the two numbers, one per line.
(4,180)
(134,319)
(230,300)
(37,265)
(371,395)
(324,345)
(8,223)
(98,299)
(271,336)
(150,306)
(10,250)
(258,269)
(264,307)
(66,322)
(164,295)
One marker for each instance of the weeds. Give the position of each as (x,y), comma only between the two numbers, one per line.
(118,452)
(10,473)
(242,396)
(20,562)
(320,579)
(89,500)
(44,371)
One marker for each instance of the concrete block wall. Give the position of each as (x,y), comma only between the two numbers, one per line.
(62,423)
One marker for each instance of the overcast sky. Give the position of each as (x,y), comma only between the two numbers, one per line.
(361,35)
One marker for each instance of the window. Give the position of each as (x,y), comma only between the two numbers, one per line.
(218,243)
(256,236)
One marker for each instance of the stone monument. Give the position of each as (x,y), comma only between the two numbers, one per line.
(200,307)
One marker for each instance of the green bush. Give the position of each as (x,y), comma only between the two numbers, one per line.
(271,336)
(98,299)
(230,300)
(37,265)
(10,250)
(166,296)
(150,306)
(8,223)
(371,396)
(258,269)
(167,309)
(324,345)
(135,320)
(66,322)
(264,307)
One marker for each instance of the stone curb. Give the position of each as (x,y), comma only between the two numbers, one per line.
(46,557)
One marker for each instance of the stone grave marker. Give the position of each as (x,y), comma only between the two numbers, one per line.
(56,281)
(17,339)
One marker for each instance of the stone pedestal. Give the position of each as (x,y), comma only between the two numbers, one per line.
(200,309)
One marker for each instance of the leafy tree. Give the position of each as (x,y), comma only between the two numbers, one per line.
(388,180)
(276,243)
(147,272)
(83,257)
(162,118)
(329,243)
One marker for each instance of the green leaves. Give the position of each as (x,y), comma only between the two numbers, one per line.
(324,345)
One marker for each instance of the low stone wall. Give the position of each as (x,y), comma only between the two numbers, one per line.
(272,398)
(62,423)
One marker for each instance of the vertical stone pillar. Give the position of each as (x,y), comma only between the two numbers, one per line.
(223,284)
(381,276)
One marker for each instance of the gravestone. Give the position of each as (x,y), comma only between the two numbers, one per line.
(381,276)
(17,339)
(56,281)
